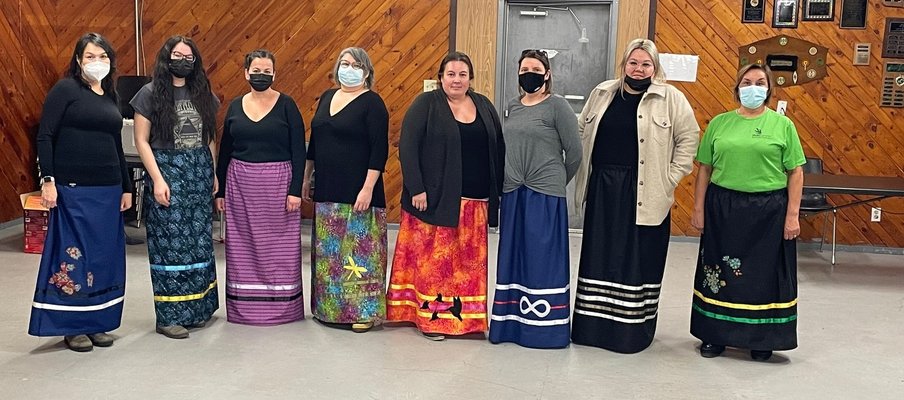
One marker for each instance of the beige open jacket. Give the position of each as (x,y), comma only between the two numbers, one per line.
(668,137)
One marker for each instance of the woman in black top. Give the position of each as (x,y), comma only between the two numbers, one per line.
(347,155)
(175,124)
(85,183)
(451,152)
(260,167)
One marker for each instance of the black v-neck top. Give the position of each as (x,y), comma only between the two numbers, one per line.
(346,145)
(278,136)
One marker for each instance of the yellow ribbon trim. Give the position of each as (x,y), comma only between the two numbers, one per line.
(429,314)
(432,298)
(187,297)
(740,306)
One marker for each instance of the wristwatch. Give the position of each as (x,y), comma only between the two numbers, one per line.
(47,179)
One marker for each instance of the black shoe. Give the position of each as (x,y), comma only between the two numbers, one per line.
(131,241)
(708,350)
(761,355)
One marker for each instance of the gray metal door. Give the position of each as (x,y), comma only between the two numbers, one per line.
(579,39)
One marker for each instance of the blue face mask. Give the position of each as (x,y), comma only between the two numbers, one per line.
(349,76)
(752,97)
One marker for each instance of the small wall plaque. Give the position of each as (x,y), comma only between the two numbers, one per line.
(862,53)
(853,14)
(785,13)
(893,85)
(754,11)
(818,10)
(893,45)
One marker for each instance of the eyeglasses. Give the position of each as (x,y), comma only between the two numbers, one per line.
(179,56)
(637,65)
(355,65)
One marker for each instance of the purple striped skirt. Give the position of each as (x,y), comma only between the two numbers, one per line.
(263,246)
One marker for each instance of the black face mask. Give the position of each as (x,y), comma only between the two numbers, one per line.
(260,82)
(531,82)
(181,68)
(639,85)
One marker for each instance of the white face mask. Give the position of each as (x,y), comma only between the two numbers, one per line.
(97,70)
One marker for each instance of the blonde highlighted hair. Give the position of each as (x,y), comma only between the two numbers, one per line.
(648,46)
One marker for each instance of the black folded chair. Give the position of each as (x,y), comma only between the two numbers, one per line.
(126,87)
(815,203)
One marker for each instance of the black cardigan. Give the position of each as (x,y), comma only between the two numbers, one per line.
(430,156)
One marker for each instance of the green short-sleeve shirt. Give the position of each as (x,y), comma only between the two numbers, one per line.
(751,154)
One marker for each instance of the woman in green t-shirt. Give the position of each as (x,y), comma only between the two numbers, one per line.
(747,196)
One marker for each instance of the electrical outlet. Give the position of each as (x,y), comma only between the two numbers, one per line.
(876,215)
(781,107)
(430,85)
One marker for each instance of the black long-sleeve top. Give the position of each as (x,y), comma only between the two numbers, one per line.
(278,136)
(346,145)
(80,137)
(616,142)
(431,159)
(475,160)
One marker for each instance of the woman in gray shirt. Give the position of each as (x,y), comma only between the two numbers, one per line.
(543,152)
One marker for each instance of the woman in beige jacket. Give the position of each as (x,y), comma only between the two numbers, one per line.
(639,137)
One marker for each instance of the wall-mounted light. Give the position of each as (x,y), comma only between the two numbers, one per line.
(534,13)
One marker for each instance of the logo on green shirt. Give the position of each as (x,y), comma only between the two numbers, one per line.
(757,132)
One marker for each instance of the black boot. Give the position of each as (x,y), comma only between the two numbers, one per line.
(709,350)
(761,355)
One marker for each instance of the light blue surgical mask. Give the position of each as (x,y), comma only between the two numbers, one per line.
(350,76)
(752,97)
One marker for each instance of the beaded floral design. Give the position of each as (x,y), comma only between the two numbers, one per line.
(63,281)
(74,252)
(734,264)
(711,278)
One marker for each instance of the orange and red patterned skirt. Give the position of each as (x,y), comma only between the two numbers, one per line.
(439,274)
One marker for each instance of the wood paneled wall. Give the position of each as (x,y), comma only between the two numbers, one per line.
(475,35)
(404,38)
(633,23)
(837,118)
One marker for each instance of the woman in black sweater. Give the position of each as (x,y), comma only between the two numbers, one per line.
(260,167)
(347,155)
(85,183)
(451,152)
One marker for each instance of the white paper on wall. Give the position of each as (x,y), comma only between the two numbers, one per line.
(679,67)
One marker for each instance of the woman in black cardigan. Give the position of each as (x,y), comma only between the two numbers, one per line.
(451,151)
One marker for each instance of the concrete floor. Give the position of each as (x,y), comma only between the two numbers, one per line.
(851,338)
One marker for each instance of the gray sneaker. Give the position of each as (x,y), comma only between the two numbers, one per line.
(173,331)
(79,343)
(101,339)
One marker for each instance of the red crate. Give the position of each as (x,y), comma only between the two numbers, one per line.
(37,234)
(35,222)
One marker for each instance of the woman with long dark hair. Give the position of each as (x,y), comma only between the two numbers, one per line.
(175,127)
(85,183)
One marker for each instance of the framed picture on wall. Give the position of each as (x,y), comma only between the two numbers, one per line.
(853,14)
(754,11)
(818,10)
(785,13)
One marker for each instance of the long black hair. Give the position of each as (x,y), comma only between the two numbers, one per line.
(163,117)
(75,67)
